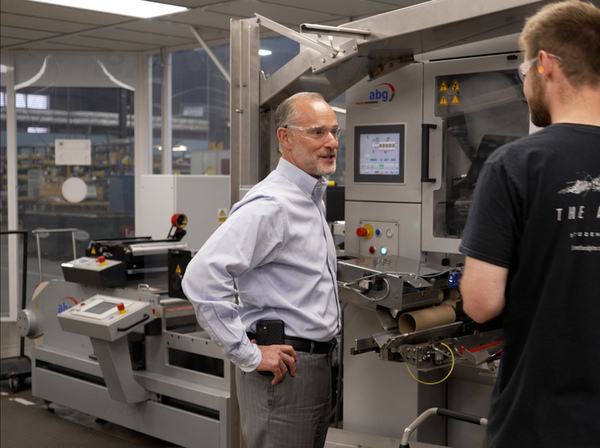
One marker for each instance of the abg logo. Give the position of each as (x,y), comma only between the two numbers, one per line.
(383,93)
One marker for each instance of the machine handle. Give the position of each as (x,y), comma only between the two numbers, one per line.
(462,417)
(425,128)
(135,324)
(443,413)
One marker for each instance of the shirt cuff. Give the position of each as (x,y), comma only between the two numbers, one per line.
(250,364)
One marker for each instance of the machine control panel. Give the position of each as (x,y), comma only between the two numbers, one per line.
(378,238)
(95,271)
(105,317)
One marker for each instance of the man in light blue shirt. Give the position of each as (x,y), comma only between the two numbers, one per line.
(276,248)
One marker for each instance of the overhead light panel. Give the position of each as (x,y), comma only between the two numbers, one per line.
(133,8)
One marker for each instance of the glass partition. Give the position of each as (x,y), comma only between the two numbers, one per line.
(74,152)
(75,144)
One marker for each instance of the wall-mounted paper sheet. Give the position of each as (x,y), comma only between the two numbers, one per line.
(73,152)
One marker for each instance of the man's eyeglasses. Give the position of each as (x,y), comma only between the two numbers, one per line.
(318,132)
(526,66)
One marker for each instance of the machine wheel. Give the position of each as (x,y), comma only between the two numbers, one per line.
(14,383)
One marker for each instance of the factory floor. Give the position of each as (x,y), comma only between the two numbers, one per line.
(28,421)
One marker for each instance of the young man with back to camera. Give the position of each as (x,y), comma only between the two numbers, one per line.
(532,242)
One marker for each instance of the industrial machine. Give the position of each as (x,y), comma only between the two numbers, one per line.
(410,176)
(430,90)
(111,343)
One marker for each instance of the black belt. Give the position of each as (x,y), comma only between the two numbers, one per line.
(306,345)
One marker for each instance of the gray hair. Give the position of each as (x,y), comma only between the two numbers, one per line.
(285,114)
(286,111)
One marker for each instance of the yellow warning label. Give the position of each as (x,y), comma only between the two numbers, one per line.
(178,269)
(93,250)
(221,215)
(455,86)
(443,87)
(443,101)
(455,100)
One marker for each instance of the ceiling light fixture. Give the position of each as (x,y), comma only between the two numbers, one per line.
(133,8)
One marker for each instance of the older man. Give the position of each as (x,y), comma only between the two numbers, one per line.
(276,246)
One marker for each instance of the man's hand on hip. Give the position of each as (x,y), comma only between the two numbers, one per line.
(278,359)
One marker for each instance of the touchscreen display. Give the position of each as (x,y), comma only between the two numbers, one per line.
(379,153)
(101,307)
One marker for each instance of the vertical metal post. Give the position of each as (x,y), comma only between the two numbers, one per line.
(11,185)
(166,113)
(142,129)
(245,108)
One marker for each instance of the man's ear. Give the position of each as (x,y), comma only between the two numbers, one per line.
(284,136)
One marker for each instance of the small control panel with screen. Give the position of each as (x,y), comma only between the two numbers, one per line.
(102,307)
(105,317)
(379,153)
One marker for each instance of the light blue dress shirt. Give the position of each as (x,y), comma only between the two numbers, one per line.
(276,246)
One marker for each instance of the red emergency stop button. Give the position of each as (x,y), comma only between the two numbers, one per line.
(120,306)
(366,231)
(101,259)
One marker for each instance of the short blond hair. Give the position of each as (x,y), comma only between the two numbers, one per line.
(570,30)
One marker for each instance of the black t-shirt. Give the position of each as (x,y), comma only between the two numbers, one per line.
(536,211)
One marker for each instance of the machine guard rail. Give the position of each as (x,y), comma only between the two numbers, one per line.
(443,413)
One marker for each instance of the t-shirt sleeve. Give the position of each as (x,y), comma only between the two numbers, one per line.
(492,230)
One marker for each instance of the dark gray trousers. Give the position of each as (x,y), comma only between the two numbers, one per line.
(292,414)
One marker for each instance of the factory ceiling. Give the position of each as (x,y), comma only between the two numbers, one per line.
(38,27)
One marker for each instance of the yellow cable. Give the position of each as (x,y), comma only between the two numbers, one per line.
(443,379)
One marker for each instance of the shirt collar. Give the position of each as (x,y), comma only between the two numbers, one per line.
(304,181)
